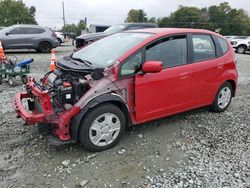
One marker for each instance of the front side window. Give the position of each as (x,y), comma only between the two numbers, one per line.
(203,47)
(17,31)
(131,65)
(170,51)
(115,29)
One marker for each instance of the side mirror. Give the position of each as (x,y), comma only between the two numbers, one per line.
(152,67)
(7,33)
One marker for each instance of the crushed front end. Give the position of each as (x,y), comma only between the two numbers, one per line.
(52,100)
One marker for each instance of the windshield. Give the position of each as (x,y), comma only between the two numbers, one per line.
(115,29)
(105,52)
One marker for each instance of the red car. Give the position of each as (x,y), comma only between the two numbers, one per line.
(130,78)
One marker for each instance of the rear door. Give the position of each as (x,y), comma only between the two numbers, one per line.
(32,36)
(206,69)
(169,91)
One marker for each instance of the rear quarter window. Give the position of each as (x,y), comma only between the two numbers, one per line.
(223,44)
(34,30)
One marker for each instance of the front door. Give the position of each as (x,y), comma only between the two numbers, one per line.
(15,38)
(169,91)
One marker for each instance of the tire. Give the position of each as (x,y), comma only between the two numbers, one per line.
(220,105)
(59,41)
(24,79)
(106,138)
(45,47)
(241,49)
(12,81)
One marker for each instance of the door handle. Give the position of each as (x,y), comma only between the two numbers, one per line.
(184,75)
(220,65)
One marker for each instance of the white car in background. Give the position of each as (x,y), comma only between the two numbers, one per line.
(241,46)
(60,37)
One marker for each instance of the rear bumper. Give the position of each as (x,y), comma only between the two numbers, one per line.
(45,113)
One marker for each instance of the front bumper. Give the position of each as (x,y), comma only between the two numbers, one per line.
(45,113)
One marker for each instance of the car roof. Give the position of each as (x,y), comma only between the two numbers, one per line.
(170,30)
(28,26)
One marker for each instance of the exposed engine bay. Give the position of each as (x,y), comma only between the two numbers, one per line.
(66,85)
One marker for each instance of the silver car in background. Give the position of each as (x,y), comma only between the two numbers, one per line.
(35,37)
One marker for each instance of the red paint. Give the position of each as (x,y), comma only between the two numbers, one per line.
(60,121)
(155,94)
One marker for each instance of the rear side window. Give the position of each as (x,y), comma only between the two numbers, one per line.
(34,30)
(203,47)
(223,44)
(170,51)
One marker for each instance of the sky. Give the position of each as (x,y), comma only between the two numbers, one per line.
(108,12)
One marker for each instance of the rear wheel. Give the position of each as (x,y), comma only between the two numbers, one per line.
(241,49)
(45,47)
(223,98)
(102,127)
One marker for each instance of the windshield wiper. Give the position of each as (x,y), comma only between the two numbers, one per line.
(88,63)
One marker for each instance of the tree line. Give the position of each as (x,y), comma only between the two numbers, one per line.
(222,18)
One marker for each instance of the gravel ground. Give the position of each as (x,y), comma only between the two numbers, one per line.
(193,149)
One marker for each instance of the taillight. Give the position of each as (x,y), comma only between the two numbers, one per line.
(53,34)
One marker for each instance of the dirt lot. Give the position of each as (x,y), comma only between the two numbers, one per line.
(194,149)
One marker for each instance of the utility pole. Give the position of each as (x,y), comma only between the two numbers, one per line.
(63,14)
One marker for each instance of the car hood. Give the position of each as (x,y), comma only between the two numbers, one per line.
(92,36)
(239,40)
(68,64)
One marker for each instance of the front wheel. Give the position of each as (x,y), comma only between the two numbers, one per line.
(12,81)
(102,127)
(24,79)
(223,98)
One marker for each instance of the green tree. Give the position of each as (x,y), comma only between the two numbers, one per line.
(135,15)
(229,21)
(74,28)
(15,12)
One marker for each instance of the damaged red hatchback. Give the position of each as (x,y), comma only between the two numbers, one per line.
(130,78)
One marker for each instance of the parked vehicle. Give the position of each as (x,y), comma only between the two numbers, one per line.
(97,28)
(60,37)
(35,37)
(130,78)
(241,46)
(83,40)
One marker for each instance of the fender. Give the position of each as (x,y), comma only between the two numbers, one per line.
(107,97)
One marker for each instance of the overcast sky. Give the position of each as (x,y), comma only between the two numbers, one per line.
(49,13)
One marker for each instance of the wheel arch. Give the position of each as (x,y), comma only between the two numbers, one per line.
(242,45)
(102,99)
(45,41)
(233,84)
